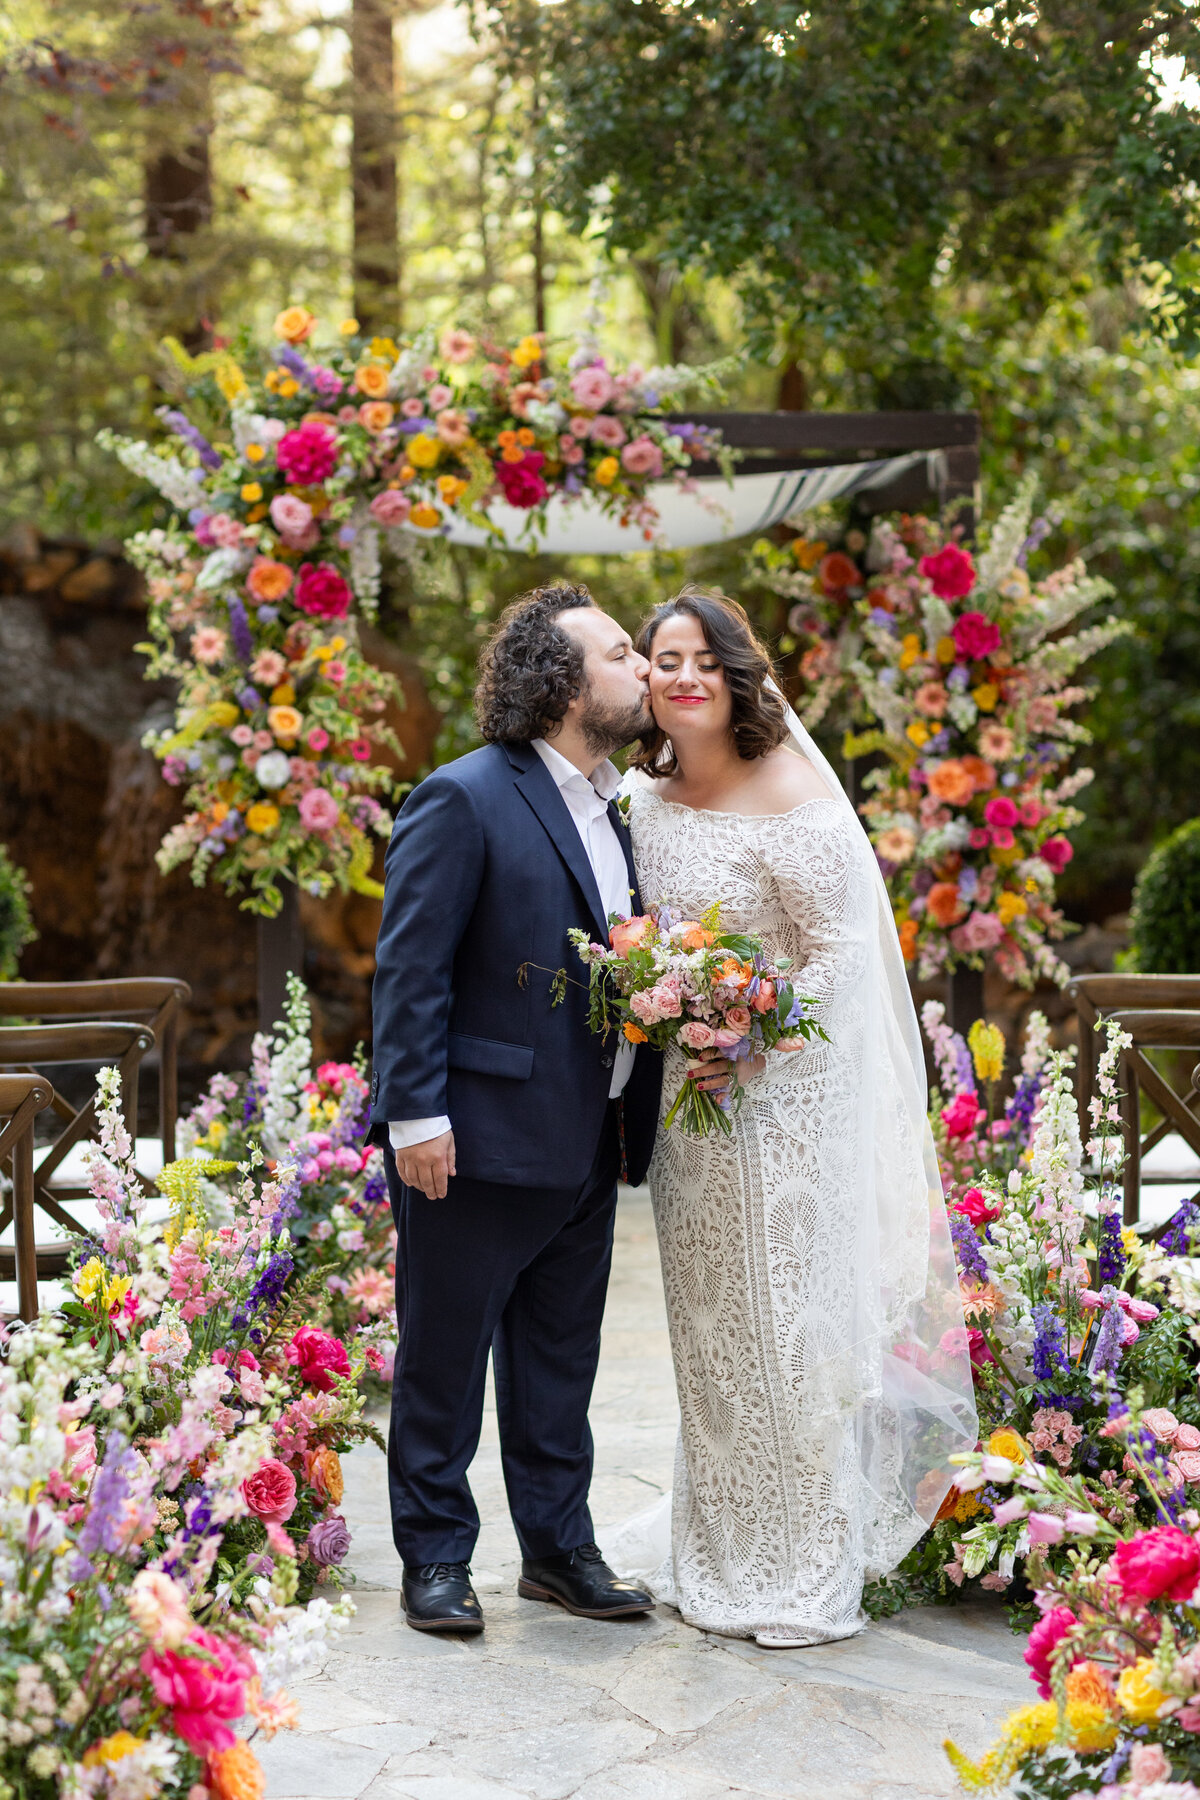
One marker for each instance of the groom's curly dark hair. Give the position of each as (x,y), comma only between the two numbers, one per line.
(530,669)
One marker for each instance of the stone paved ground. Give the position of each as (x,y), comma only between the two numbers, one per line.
(548,1706)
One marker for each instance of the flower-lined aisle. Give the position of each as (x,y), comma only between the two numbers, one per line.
(171,1441)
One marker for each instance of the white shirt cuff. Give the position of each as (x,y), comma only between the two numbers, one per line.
(404,1133)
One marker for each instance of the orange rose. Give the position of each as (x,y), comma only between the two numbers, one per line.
(627,934)
(982,773)
(372,380)
(951,781)
(765,1000)
(943,905)
(295,323)
(323,1472)
(236,1773)
(267,580)
(285,722)
(695,937)
(634,1033)
(376,415)
(908,939)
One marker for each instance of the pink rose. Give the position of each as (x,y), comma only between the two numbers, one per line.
(1044,1639)
(1056,852)
(270,1493)
(643,457)
(242,736)
(322,592)
(981,931)
(318,1357)
(950,573)
(201,1691)
(579,428)
(644,1006)
(308,454)
(1032,813)
(738,1018)
(974,1207)
(1161,1422)
(1187,1438)
(592,387)
(439,397)
(975,637)
(962,1115)
(628,934)
(1147,1763)
(390,508)
(318,810)
(1188,1464)
(608,432)
(290,515)
(1155,1565)
(667,1001)
(1001,811)
(725,1039)
(697,1036)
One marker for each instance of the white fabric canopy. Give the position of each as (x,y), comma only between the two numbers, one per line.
(712,511)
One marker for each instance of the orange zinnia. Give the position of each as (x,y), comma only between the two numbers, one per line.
(944,906)
(952,781)
(268,580)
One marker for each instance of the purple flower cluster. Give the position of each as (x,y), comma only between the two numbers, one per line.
(239,629)
(1021,1103)
(1110,1251)
(182,426)
(267,1291)
(106,1522)
(967,1251)
(1175,1239)
(1107,1348)
(1049,1347)
(295,364)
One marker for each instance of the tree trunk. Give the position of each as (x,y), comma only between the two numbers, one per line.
(793,388)
(178,198)
(374,176)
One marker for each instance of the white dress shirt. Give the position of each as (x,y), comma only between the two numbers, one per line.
(587,802)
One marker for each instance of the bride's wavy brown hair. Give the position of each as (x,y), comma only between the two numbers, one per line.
(759,721)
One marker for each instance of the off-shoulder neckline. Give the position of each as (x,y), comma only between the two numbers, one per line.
(708,812)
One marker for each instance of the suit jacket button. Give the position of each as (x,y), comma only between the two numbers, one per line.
(607,1062)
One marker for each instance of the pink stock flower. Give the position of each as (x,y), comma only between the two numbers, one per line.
(1163,1563)
(318,810)
(270,1493)
(308,454)
(225,531)
(975,637)
(950,572)
(592,387)
(319,1358)
(1045,1637)
(202,1689)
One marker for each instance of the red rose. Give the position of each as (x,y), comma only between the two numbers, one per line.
(522,482)
(308,454)
(1163,1564)
(951,573)
(321,591)
(318,1357)
(975,637)
(1057,853)
(1045,1637)
(270,1492)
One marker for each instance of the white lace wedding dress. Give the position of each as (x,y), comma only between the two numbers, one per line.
(816,1408)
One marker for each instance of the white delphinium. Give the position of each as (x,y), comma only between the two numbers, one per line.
(365,562)
(1007,536)
(937,619)
(1106,1146)
(1037,1043)
(284,1111)
(963,711)
(166,473)
(1011,1249)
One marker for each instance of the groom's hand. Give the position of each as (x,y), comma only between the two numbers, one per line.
(428,1166)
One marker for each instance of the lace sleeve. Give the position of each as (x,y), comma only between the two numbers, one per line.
(815,858)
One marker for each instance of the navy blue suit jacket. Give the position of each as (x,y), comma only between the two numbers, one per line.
(486,872)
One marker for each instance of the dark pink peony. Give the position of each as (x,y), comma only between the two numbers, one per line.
(1057,853)
(962,1115)
(973,1206)
(270,1492)
(202,1689)
(522,482)
(979,1348)
(975,637)
(319,1358)
(1001,811)
(1163,1564)
(322,592)
(951,573)
(1046,1635)
(307,455)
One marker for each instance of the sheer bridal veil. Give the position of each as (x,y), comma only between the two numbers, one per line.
(899,1375)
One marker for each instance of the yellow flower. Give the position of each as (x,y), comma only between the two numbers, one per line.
(528,351)
(89,1281)
(254,453)
(216,1134)
(257,514)
(986,1043)
(230,381)
(251,491)
(451,488)
(985,696)
(111,1749)
(965,1507)
(1130,1240)
(285,722)
(322,652)
(606,471)
(1090,1726)
(372,380)
(348,327)
(337,644)
(424,516)
(295,323)
(809,551)
(224,713)
(917,733)
(288,388)
(423,450)
(1006,1443)
(262,817)
(946,650)
(910,649)
(1003,858)
(1010,906)
(634,1033)
(283,695)
(1137,1695)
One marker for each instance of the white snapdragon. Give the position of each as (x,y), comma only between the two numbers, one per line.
(166,473)
(300,1642)
(365,563)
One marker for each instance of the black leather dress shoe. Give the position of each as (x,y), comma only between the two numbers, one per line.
(582,1581)
(439,1597)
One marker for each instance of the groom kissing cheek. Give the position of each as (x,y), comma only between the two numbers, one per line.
(509,1122)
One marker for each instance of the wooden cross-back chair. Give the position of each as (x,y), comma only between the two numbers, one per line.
(30,1049)
(22,1098)
(1156,1029)
(1098,996)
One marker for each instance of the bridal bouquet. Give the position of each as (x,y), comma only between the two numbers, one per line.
(665,979)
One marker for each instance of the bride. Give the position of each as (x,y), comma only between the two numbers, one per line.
(818,1340)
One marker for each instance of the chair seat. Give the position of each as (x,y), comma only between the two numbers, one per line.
(52,1259)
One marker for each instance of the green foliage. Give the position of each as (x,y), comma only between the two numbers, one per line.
(1166,906)
(16,921)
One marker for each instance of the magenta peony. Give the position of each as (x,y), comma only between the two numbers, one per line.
(270,1492)
(522,482)
(951,573)
(1056,852)
(1001,811)
(201,1691)
(1046,1635)
(318,810)
(974,1207)
(308,454)
(329,1541)
(974,636)
(322,592)
(318,1357)
(962,1115)
(1162,1564)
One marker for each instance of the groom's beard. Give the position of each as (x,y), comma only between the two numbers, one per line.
(607,728)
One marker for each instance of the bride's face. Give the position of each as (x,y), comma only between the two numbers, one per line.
(688,692)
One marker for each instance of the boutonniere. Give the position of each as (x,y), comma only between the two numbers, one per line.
(622,804)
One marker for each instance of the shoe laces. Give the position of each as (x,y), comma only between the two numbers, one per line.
(591,1553)
(443,1571)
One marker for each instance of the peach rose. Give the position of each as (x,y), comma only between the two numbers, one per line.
(627,934)
(295,323)
(738,1019)
(376,415)
(766,999)
(695,937)
(284,721)
(372,380)
(952,782)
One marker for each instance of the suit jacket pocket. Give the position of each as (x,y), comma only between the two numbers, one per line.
(489,1056)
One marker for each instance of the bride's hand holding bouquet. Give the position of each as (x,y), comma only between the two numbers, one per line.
(665,979)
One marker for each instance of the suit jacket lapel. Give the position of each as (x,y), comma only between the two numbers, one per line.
(625,840)
(537,787)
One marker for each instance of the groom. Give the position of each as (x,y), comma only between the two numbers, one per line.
(509,1121)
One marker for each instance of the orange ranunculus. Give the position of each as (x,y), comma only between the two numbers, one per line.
(909,931)
(943,905)
(735,973)
(285,722)
(323,1471)
(424,516)
(952,781)
(983,774)
(236,1773)
(837,573)
(268,580)
(695,937)
(376,415)
(634,1033)
(372,380)
(627,934)
(765,999)
(295,323)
